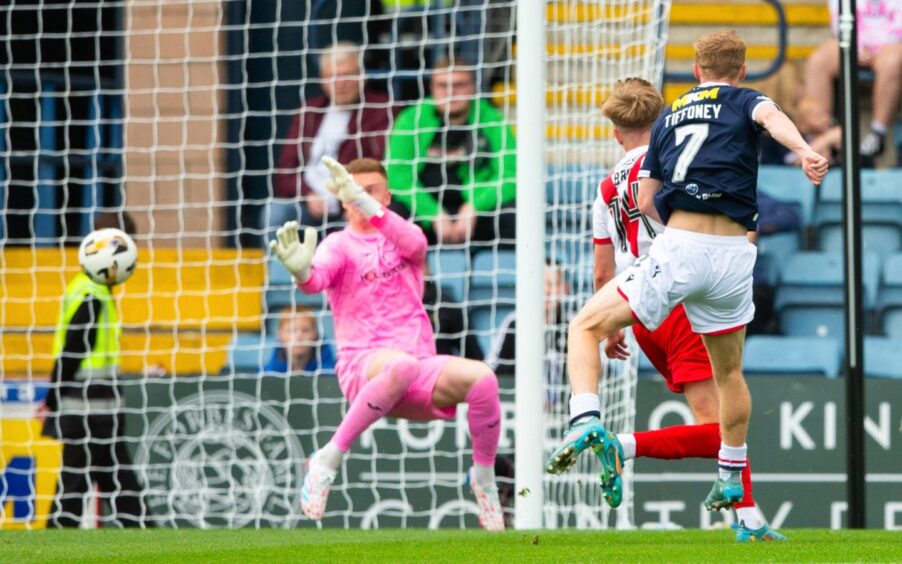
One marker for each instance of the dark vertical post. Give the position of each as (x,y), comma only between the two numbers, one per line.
(855,461)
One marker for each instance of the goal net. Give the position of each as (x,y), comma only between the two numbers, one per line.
(202,121)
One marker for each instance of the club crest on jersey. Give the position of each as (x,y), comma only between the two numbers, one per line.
(692,189)
(710,94)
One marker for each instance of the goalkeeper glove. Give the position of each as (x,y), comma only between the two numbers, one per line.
(346,190)
(296,256)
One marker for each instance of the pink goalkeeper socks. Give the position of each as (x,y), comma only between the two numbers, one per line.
(375,400)
(484,418)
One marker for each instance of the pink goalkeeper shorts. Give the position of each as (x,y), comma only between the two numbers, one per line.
(416,403)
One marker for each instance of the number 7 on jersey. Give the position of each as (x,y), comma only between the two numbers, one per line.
(697,133)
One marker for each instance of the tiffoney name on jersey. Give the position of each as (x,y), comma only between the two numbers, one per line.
(696,112)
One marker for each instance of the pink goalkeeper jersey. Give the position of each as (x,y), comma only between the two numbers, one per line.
(374,284)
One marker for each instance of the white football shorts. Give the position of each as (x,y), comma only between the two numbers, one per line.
(710,275)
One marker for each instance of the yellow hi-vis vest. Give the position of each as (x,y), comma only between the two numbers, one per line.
(104,358)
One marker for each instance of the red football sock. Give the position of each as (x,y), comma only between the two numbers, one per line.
(690,441)
(747,499)
(679,441)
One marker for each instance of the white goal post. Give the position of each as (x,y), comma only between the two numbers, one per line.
(180,112)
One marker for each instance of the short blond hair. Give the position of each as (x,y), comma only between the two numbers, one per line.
(366,165)
(634,104)
(720,54)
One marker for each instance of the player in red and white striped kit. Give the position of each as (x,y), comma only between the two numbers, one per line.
(622,234)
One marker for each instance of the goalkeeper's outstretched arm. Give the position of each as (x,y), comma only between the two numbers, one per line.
(297,257)
(409,238)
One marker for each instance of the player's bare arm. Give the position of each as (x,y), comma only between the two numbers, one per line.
(648,187)
(605,265)
(781,128)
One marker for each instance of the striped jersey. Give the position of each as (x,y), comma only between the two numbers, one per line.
(616,219)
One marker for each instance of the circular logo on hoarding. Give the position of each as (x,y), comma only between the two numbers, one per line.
(221,459)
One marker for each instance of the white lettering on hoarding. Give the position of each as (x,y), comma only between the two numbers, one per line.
(791,425)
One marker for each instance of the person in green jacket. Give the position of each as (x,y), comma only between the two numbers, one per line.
(451,161)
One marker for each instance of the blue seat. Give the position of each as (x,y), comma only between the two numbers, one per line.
(493,277)
(569,193)
(812,321)
(792,355)
(249,352)
(774,249)
(882,357)
(891,321)
(572,184)
(817,278)
(486,321)
(880,238)
(281,290)
(450,269)
(889,303)
(789,183)
(881,201)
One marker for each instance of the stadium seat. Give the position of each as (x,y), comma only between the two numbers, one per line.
(485,323)
(817,278)
(281,290)
(774,249)
(792,355)
(450,269)
(493,277)
(569,193)
(881,207)
(788,183)
(882,357)
(889,304)
(812,321)
(891,322)
(880,238)
(249,352)
(809,300)
(574,185)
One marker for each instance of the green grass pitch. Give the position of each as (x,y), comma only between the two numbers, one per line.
(512,547)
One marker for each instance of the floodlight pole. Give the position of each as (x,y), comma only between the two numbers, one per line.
(854,369)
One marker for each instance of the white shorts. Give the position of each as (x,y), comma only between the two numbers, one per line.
(710,275)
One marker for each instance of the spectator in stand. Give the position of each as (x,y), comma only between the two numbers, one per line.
(879,49)
(301,350)
(452,163)
(502,356)
(348,121)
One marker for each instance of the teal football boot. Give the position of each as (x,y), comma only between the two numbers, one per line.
(724,494)
(578,438)
(764,534)
(610,454)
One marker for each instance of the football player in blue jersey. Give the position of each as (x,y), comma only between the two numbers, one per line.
(699,179)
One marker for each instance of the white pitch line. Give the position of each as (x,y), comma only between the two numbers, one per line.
(758,477)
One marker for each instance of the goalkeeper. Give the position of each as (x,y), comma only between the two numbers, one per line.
(372,274)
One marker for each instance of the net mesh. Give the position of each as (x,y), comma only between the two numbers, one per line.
(181,114)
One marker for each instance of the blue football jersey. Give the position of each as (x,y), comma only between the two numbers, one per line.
(704,148)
